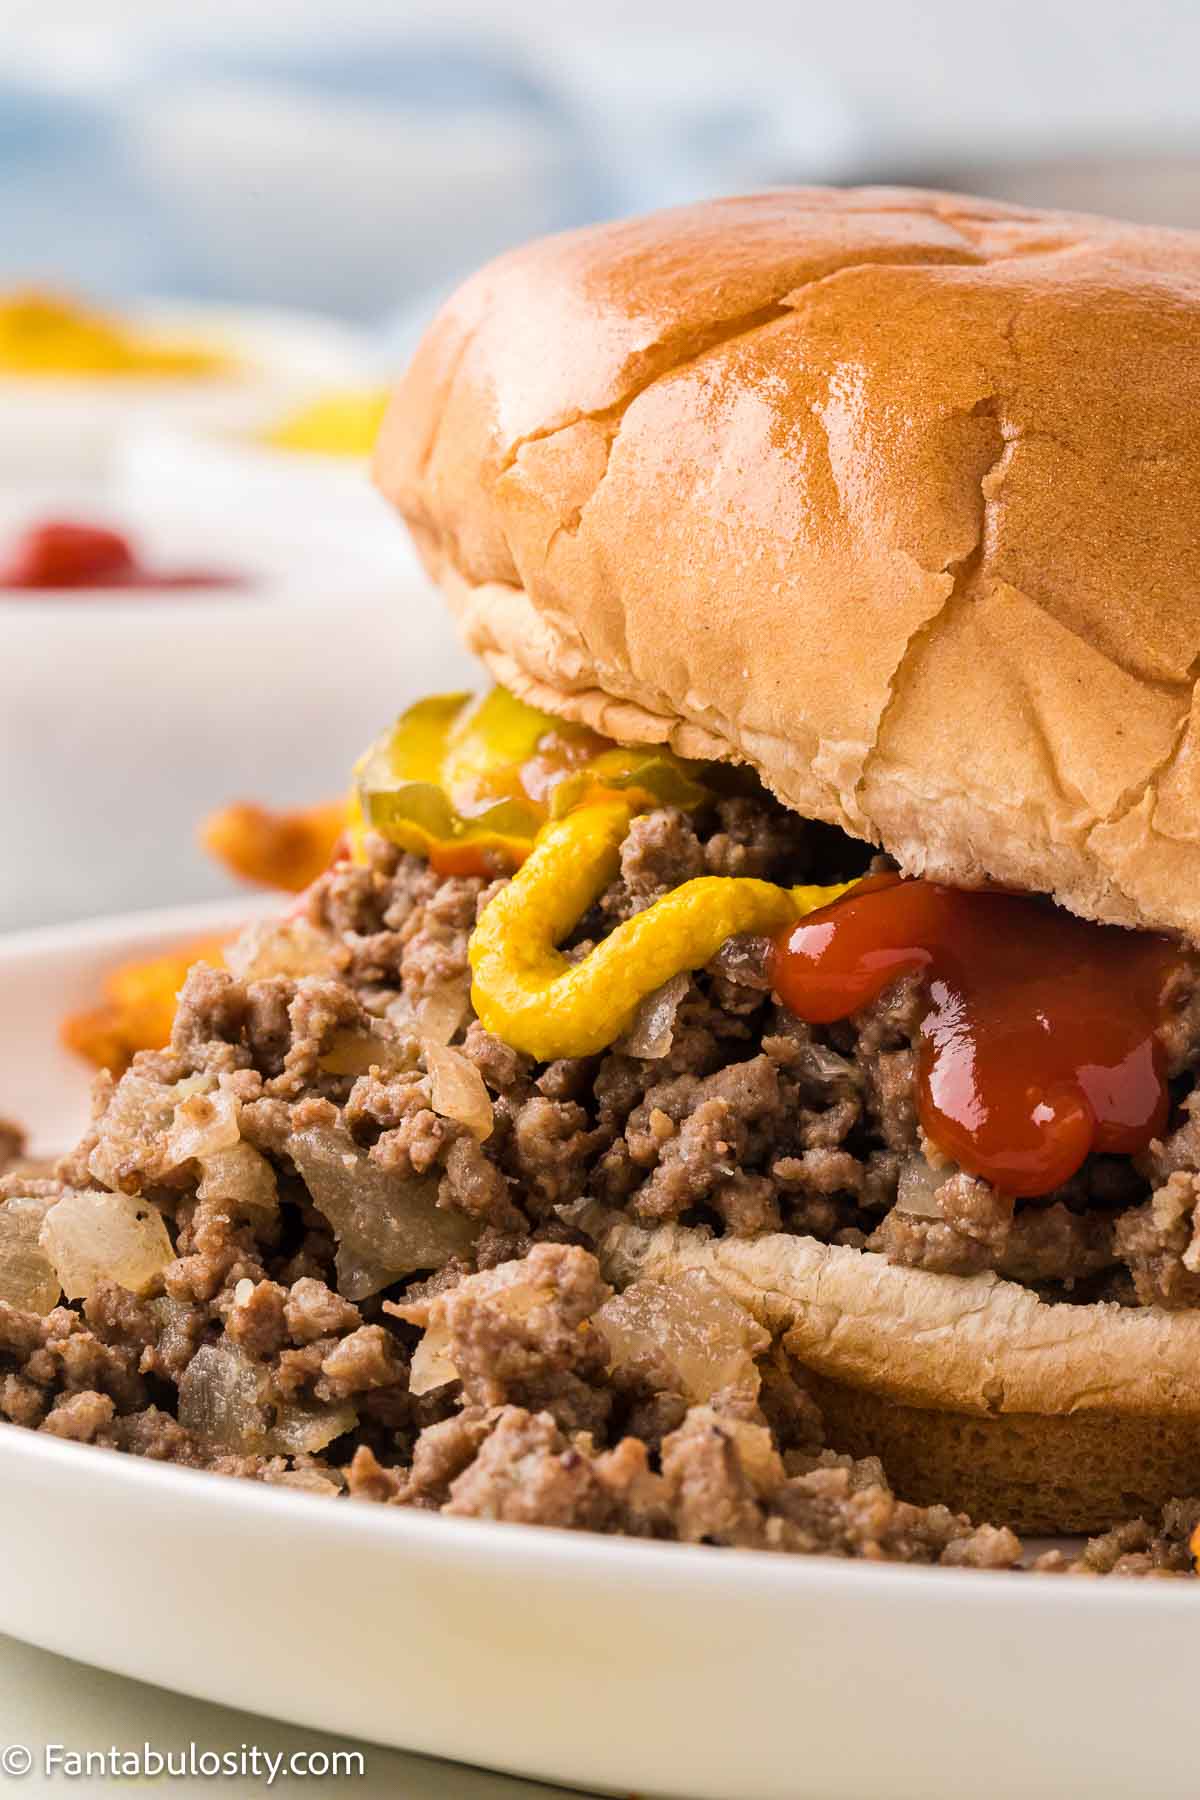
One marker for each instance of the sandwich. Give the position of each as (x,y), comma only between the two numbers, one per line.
(888,499)
(751,1045)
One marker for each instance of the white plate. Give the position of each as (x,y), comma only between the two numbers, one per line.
(672,1671)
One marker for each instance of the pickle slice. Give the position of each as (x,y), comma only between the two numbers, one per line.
(662,777)
(404,784)
(399,779)
(488,749)
(469,783)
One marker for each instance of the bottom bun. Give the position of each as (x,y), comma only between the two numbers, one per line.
(1042,1473)
(972,1391)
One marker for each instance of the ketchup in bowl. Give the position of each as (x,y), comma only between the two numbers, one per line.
(1039,1042)
(65,555)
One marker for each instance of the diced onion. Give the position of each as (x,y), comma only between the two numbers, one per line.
(221,1398)
(436,1017)
(290,947)
(441,1011)
(431,1366)
(28,1279)
(653,1030)
(325,1483)
(242,1177)
(358,1052)
(90,1236)
(692,1332)
(917,1188)
(401,1013)
(588,1215)
(299,1429)
(513,1290)
(457,1090)
(193,1084)
(826,1066)
(204,1125)
(388,1224)
(174,1329)
(139,1112)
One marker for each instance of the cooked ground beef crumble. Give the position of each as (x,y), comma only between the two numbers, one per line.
(358,1292)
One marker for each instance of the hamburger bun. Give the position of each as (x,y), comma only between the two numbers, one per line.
(824,482)
(972,1390)
(895,497)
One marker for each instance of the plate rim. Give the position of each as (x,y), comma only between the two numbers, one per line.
(557,1550)
(104,931)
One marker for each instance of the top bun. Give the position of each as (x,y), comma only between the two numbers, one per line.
(893,495)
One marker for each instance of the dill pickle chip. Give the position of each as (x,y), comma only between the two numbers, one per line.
(663,778)
(469,783)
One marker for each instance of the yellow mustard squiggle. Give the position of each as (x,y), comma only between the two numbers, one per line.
(527,993)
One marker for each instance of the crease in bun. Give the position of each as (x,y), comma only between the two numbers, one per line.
(892,496)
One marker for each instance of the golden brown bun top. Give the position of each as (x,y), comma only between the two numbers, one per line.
(893,495)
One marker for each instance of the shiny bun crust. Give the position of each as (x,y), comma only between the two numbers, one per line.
(893,495)
(975,1393)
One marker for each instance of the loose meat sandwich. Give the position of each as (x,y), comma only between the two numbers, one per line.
(738,1083)
(891,499)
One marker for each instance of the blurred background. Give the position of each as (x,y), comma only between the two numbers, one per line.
(221,229)
(195,149)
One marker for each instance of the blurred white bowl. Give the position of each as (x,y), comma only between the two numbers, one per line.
(293,512)
(67,428)
(122,722)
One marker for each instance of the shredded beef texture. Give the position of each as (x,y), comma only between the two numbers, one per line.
(395,1305)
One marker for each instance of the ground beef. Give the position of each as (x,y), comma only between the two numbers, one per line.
(517,1334)
(1159,1243)
(435,1322)
(527,1470)
(79,1417)
(1135,1547)
(257,1320)
(661,852)
(721,1475)
(312,1311)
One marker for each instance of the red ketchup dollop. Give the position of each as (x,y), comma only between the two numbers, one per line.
(1038,1044)
(65,555)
